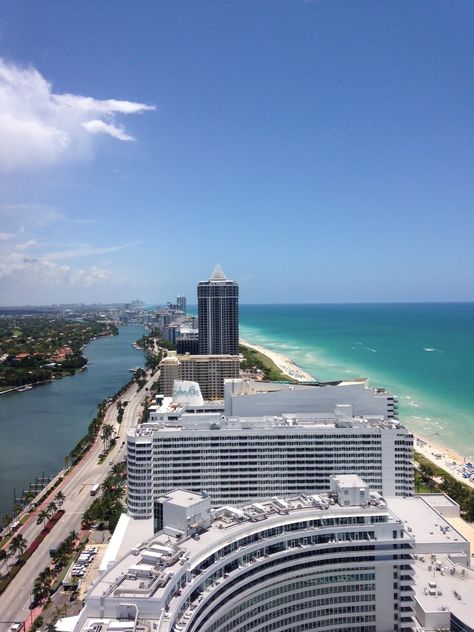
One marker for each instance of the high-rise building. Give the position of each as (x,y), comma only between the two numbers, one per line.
(240,459)
(208,371)
(181,303)
(187,341)
(218,314)
(169,372)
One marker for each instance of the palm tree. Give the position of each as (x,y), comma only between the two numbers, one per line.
(52,507)
(43,584)
(72,536)
(117,470)
(59,498)
(18,545)
(107,431)
(46,575)
(42,516)
(108,486)
(4,558)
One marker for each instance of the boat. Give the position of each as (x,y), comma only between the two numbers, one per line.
(137,368)
(28,387)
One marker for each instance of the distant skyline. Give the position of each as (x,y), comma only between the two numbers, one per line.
(320,150)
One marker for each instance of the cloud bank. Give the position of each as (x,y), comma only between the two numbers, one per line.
(39,127)
(38,266)
(29,272)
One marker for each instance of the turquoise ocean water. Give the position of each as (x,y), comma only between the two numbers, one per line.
(424,353)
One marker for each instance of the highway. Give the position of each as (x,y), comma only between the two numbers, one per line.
(14,603)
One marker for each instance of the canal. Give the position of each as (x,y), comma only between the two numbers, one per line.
(39,427)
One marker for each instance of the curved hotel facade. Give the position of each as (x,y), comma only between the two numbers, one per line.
(340,562)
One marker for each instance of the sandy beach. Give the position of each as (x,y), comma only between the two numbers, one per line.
(286,366)
(449,460)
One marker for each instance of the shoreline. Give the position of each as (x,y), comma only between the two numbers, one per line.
(21,388)
(285,364)
(115,393)
(447,458)
(63,472)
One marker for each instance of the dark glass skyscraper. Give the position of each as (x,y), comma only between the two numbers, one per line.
(218,314)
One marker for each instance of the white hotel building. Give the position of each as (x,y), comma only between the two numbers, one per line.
(240,459)
(336,563)
(245,398)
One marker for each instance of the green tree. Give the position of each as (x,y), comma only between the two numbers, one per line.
(59,498)
(43,583)
(51,508)
(18,545)
(107,431)
(43,515)
(469,506)
(4,558)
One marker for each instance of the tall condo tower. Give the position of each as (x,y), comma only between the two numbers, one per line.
(181,304)
(218,315)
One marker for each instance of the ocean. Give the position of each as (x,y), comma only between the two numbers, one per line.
(424,353)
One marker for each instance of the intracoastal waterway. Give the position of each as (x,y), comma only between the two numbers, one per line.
(39,427)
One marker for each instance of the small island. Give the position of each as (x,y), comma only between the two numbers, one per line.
(36,349)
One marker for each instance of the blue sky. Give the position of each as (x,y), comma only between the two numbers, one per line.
(321,151)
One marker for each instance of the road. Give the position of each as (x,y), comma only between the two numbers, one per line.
(14,603)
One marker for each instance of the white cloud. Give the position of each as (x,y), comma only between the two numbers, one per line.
(33,272)
(100,127)
(28,273)
(39,127)
(26,245)
(19,218)
(85,250)
(36,266)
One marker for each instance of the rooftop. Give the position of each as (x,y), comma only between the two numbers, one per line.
(444,586)
(298,423)
(169,406)
(444,582)
(424,522)
(349,481)
(145,571)
(252,387)
(183,497)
